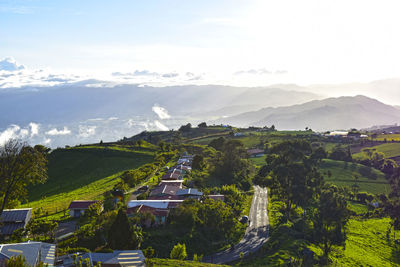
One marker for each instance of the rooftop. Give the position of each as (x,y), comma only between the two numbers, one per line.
(32,251)
(81,204)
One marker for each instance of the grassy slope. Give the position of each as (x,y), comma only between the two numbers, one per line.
(389,149)
(388,137)
(83,173)
(259,161)
(367,245)
(371,180)
(173,263)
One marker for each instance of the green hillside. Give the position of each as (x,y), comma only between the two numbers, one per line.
(84,173)
(389,149)
(371,180)
(367,245)
(387,137)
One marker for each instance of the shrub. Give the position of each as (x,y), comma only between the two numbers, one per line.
(179,252)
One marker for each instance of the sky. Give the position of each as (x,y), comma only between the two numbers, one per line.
(228,41)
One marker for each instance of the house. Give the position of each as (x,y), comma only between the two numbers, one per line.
(190,193)
(116,258)
(184,167)
(179,171)
(177,183)
(172,176)
(159,204)
(187,162)
(14,219)
(77,208)
(165,189)
(217,197)
(34,252)
(159,214)
(255,152)
(166,197)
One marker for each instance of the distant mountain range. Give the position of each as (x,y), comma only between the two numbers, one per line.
(77,102)
(86,112)
(327,114)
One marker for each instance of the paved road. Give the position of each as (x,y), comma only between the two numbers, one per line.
(256,234)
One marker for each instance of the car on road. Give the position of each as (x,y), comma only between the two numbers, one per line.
(244,219)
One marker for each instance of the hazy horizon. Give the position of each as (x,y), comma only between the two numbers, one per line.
(312,49)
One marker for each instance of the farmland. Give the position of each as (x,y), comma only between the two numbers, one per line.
(370,180)
(367,245)
(389,149)
(386,137)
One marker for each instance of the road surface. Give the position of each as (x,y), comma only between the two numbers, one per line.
(256,233)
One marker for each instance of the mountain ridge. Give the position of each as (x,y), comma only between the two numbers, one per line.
(328,114)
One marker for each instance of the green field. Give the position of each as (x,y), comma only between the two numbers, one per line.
(367,245)
(83,173)
(389,149)
(371,180)
(387,137)
(258,161)
(173,263)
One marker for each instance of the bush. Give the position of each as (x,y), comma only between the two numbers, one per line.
(178,252)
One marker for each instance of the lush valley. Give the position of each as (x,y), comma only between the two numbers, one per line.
(92,171)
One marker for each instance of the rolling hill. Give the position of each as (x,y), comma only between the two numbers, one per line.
(327,114)
(83,173)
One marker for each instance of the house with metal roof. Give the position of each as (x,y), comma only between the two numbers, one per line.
(163,190)
(189,193)
(33,252)
(14,219)
(177,183)
(77,208)
(116,258)
(172,176)
(160,204)
(184,167)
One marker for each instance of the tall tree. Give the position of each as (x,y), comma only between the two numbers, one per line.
(232,165)
(291,173)
(20,165)
(122,235)
(330,220)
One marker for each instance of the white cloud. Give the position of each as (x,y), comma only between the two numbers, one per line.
(161,112)
(9,64)
(47,141)
(55,131)
(161,126)
(86,131)
(10,133)
(34,128)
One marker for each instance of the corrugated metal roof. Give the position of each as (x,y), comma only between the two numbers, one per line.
(160,204)
(189,191)
(31,252)
(118,257)
(81,204)
(14,219)
(16,215)
(9,228)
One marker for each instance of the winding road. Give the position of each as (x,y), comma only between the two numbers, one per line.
(256,233)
